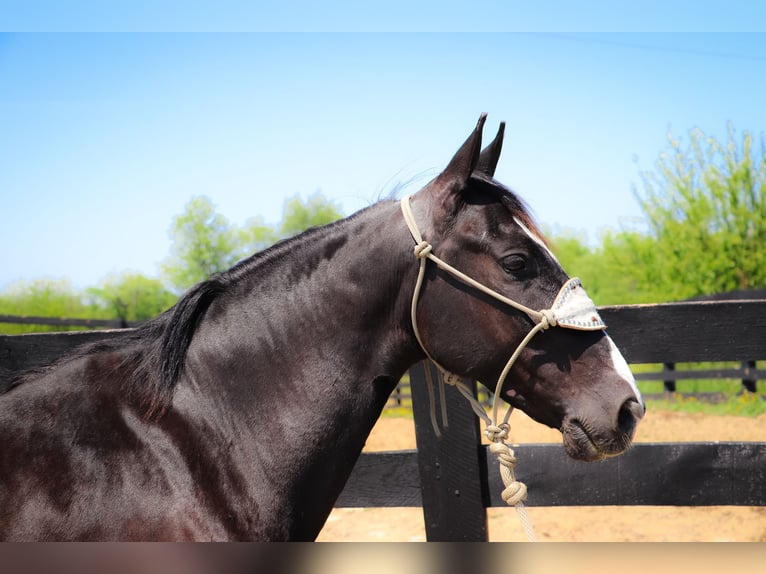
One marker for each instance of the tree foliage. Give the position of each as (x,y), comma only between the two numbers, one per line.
(44,298)
(605,284)
(705,203)
(132,297)
(299,215)
(705,209)
(205,242)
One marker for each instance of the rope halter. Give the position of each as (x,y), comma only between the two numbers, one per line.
(571,309)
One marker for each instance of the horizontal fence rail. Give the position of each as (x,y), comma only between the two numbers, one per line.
(650,474)
(748,374)
(700,331)
(455,480)
(745,373)
(66,322)
(22,352)
(689,332)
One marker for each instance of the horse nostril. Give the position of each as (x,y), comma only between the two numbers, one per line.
(630,413)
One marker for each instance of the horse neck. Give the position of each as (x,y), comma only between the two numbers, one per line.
(306,350)
(346,289)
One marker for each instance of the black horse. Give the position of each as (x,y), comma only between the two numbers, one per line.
(239,413)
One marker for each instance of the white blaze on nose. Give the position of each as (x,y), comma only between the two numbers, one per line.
(622,368)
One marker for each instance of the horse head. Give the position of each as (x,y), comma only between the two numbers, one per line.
(510,296)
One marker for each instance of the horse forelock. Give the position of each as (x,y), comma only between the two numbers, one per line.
(512,202)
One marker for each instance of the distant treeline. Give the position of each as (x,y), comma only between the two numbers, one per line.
(203,242)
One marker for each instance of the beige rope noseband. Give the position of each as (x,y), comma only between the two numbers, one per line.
(571,308)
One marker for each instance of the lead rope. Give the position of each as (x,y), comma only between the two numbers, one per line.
(515,492)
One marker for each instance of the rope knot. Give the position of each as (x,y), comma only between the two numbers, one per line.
(515,492)
(504,454)
(549,319)
(423,249)
(451,378)
(497,434)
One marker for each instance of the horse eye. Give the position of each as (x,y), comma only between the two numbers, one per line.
(514,263)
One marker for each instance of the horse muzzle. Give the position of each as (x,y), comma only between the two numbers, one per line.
(585,439)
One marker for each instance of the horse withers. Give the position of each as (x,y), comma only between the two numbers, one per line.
(239,413)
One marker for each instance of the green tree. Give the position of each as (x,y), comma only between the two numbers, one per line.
(630,270)
(204,242)
(257,235)
(705,204)
(132,297)
(298,215)
(605,283)
(577,259)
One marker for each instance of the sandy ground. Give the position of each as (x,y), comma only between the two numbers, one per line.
(575,524)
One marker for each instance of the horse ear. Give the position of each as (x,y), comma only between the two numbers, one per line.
(491,154)
(458,171)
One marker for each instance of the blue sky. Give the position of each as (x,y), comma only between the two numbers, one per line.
(106,136)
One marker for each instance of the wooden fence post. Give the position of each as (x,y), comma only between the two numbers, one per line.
(669,383)
(749,382)
(452,468)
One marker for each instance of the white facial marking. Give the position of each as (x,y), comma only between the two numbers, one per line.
(536,239)
(622,368)
(619,362)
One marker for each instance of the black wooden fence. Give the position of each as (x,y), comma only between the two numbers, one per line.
(746,372)
(455,480)
(66,322)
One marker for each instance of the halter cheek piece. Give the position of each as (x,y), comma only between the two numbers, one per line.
(571,309)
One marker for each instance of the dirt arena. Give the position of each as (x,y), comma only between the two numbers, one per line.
(575,524)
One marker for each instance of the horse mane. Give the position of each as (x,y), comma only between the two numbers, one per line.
(181,323)
(149,360)
(178,325)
